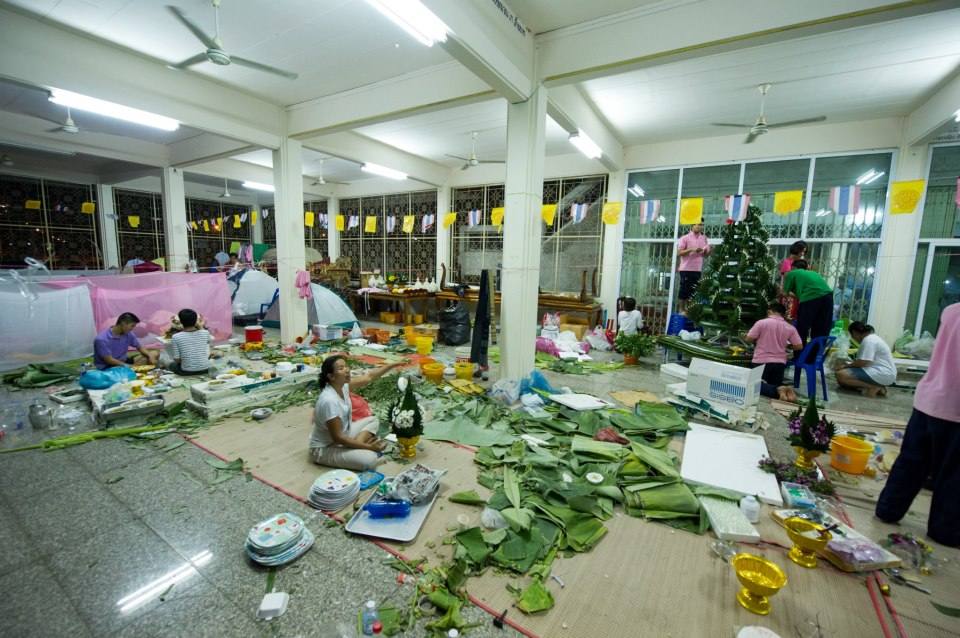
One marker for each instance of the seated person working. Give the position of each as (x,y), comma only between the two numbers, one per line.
(629,320)
(874,368)
(772,337)
(337,440)
(190,348)
(111,346)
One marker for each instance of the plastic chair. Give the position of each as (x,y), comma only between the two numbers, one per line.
(818,349)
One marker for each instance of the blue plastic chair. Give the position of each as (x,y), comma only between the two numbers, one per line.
(818,349)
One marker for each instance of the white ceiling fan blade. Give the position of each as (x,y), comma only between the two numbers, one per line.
(750,137)
(197,59)
(731,125)
(459,157)
(465,166)
(194,29)
(490,162)
(808,120)
(263,67)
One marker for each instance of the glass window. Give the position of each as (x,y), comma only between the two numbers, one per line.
(478,247)
(941,216)
(219,234)
(316,237)
(571,249)
(655,192)
(762,180)
(872,172)
(916,287)
(147,241)
(646,273)
(713,184)
(943,286)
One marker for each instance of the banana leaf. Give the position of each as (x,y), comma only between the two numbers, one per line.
(466,432)
(596,449)
(41,375)
(660,461)
(520,551)
(633,468)
(535,598)
(476,547)
(518,518)
(469,497)
(583,532)
(494,537)
(511,487)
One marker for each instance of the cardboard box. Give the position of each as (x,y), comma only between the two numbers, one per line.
(730,385)
(575,328)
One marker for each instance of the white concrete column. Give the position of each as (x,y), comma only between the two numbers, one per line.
(526,122)
(333,235)
(613,245)
(257,236)
(107,222)
(443,234)
(898,251)
(291,256)
(175,220)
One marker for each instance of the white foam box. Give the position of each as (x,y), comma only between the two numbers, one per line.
(673,372)
(730,385)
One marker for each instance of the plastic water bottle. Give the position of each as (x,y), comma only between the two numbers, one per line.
(750,508)
(369,617)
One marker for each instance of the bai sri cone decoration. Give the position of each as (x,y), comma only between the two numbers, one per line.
(810,435)
(760,579)
(406,421)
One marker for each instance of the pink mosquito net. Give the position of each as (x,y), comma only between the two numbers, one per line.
(156,298)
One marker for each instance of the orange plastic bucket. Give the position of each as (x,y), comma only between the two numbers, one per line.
(850,454)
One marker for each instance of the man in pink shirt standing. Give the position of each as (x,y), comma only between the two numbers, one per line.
(773,336)
(691,249)
(931,444)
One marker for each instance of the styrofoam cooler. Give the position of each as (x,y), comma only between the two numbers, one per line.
(326,333)
(723,383)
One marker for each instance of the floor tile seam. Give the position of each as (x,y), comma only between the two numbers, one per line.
(45,559)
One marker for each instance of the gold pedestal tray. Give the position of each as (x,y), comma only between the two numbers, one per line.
(760,579)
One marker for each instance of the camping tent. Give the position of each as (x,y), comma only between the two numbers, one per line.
(325,308)
(249,290)
(44,325)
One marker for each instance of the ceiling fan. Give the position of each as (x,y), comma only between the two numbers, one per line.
(226,190)
(214,45)
(761,127)
(319,180)
(67,127)
(472,160)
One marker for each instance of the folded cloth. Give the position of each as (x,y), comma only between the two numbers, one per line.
(303,284)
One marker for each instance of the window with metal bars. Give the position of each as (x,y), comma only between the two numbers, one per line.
(147,240)
(214,228)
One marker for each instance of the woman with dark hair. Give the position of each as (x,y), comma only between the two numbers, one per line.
(798,250)
(815,297)
(337,440)
(873,369)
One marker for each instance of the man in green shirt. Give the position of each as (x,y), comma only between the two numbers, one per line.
(815,312)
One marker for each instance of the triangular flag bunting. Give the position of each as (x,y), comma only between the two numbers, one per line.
(408,221)
(473,217)
(904,196)
(449,219)
(370,224)
(339,222)
(206,226)
(266,213)
(391,223)
(548,212)
(193,225)
(786,202)
(308,218)
(496,216)
(133,220)
(88,208)
(32,204)
(427,222)
(610,213)
(578,212)
(243,217)
(649,211)
(736,206)
(844,200)
(353,222)
(253,218)
(236,221)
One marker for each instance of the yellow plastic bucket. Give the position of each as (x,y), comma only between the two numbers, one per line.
(425,346)
(410,334)
(850,454)
(433,372)
(464,370)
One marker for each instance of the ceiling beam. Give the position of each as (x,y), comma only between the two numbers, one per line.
(675,30)
(431,89)
(940,108)
(204,148)
(246,171)
(36,51)
(360,149)
(567,106)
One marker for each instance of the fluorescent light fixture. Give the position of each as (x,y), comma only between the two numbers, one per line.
(156,587)
(585,145)
(414,18)
(869,177)
(257,186)
(636,191)
(383,171)
(109,109)
(956,115)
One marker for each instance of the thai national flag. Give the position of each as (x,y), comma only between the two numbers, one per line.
(391,223)
(473,218)
(736,206)
(353,222)
(427,222)
(844,200)
(323,220)
(649,211)
(578,212)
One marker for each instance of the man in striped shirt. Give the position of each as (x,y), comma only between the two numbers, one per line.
(190,347)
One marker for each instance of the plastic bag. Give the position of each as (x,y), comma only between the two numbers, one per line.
(536,381)
(492,519)
(597,338)
(416,485)
(921,348)
(356,332)
(454,325)
(905,337)
(506,390)
(103,379)
(70,418)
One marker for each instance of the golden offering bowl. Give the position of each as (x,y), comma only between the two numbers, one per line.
(760,578)
(808,539)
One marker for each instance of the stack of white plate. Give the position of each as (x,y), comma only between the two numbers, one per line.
(278,540)
(334,490)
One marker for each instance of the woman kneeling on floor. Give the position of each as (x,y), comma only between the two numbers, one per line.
(337,440)
(874,368)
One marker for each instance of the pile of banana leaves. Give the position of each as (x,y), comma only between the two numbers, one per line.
(41,375)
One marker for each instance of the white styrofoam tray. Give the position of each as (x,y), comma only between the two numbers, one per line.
(403,530)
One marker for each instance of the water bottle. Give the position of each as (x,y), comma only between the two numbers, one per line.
(369,617)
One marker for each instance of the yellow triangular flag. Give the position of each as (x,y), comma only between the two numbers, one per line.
(340,222)
(370,224)
(786,202)
(32,204)
(133,220)
(219,221)
(904,196)
(236,221)
(193,225)
(308,218)
(611,212)
(253,218)
(449,219)
(206,226)
(691,210)
(408,221)
(496,216)
(548,212)
(88,208)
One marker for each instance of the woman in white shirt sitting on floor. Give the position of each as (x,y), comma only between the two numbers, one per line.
(874,368)
(337,440)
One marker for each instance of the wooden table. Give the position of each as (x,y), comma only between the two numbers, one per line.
(404,301)
(592,311)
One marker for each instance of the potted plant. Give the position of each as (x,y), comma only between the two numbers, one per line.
(634,346)
(406,421)
(810,434)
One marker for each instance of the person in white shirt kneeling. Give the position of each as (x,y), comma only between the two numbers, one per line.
(873,369)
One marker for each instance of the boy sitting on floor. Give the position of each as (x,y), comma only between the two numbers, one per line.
(190,348)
